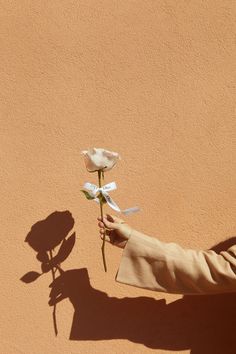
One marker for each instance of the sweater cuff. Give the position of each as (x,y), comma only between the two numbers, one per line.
(130,271)
(121,276)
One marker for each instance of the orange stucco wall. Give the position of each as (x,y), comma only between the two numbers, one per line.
(154,81)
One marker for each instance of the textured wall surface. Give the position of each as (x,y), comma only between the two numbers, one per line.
(156,82)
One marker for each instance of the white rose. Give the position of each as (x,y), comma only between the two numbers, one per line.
(100,159)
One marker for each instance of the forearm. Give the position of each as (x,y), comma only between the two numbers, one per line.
(152,264)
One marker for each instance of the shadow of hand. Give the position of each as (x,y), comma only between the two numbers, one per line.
(206,324)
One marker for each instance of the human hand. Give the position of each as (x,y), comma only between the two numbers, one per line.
(117,230)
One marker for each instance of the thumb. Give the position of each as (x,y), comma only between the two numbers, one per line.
(112,223)
(115,219)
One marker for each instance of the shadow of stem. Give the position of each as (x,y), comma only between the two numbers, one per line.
(54,307)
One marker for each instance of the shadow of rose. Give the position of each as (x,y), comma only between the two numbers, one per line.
(49,239)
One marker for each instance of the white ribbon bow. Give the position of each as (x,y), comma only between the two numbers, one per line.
(93,189)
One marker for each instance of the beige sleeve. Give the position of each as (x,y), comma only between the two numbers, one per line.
(151,264)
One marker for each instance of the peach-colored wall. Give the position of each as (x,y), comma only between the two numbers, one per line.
(154,81)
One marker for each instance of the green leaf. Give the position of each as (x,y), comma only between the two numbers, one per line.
(102,198)
(87,195)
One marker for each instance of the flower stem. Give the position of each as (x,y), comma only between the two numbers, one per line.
(101,210)
(54,307)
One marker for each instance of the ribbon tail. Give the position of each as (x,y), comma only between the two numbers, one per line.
(130,210)
(111,202)
(114,206)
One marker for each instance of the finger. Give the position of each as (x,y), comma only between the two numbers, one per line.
(103,227)
(102,231)
(107,238)
(101,224)
(109,224)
